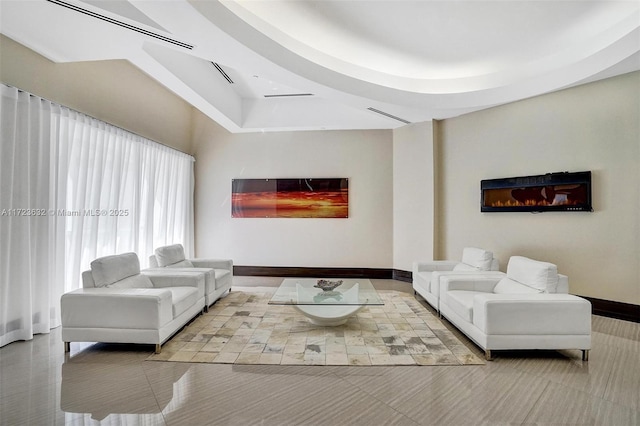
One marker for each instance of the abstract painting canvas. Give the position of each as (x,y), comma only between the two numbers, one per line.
(290,198)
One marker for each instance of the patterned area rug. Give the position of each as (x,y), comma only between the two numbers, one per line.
(243,328)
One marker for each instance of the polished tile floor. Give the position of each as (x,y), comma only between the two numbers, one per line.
(114,385)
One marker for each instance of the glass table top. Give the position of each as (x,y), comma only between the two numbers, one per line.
(306,291)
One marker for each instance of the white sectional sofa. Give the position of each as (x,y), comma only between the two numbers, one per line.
(118,304)
(528,308)
(426,275)
(218,272)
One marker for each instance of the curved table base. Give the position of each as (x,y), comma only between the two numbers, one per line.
(328,315)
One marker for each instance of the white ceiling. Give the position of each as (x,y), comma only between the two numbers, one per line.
(343,60)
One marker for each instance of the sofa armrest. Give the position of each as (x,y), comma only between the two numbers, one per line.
(517,314)
(144,308)
(213,263)
(478,281)
(434,265)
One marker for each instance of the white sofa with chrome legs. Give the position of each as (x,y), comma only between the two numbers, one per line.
(118,304)
(529,308)
(426,275)
(218,272)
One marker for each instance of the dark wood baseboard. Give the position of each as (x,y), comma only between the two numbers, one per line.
(400,275)
(606,308)
(287,271)
(612,309)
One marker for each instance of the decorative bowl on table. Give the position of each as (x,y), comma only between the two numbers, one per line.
(328,285)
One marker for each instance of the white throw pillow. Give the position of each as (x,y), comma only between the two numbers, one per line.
(110,269)
(509,286)
(168,255)
(533,273)
(477,257)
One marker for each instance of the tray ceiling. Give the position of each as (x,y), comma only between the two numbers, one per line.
(305,65)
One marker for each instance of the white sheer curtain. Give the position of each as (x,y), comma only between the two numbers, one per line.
(30,284)
(93,190)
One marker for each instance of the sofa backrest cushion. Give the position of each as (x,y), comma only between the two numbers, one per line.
(168,255)
(182,264)
(509,286)
(87,279)
(110,269)
(478,258)
(464,267)
(542,276)
(134,281)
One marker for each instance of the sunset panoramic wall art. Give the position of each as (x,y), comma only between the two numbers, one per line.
(290,198)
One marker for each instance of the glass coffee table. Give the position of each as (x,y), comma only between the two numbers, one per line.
(322,304)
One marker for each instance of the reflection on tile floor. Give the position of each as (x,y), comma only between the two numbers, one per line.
(243,328)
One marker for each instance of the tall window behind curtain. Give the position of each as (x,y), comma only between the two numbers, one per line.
(100,190)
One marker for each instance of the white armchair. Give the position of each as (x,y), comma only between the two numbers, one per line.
(118,304)
(529,308)
(218,272)
(426,275)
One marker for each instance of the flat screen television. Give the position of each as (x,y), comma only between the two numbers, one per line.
(561,191)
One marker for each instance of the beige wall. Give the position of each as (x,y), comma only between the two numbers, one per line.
(591,127)
(113,91)
(362,240)
(413,190)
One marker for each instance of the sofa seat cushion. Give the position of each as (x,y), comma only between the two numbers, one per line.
(168,255)
(110,269)
(461,302)
(182,298)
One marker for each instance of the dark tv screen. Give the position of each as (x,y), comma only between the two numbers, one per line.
(561,191)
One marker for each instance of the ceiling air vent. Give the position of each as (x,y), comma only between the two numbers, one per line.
(386,114)
(221,71)
(288,95)
(121,24)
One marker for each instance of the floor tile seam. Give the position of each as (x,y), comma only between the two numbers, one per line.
(526,420)
(292,403)
(344,378)
(341,378)
(581,389)
(591,398)
(608,378)
(609,384)
(155,396)
(613,338)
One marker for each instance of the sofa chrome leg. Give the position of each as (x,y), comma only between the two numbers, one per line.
(206,309)
(487,355)
(67,346)
(158,348)
(585,355)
